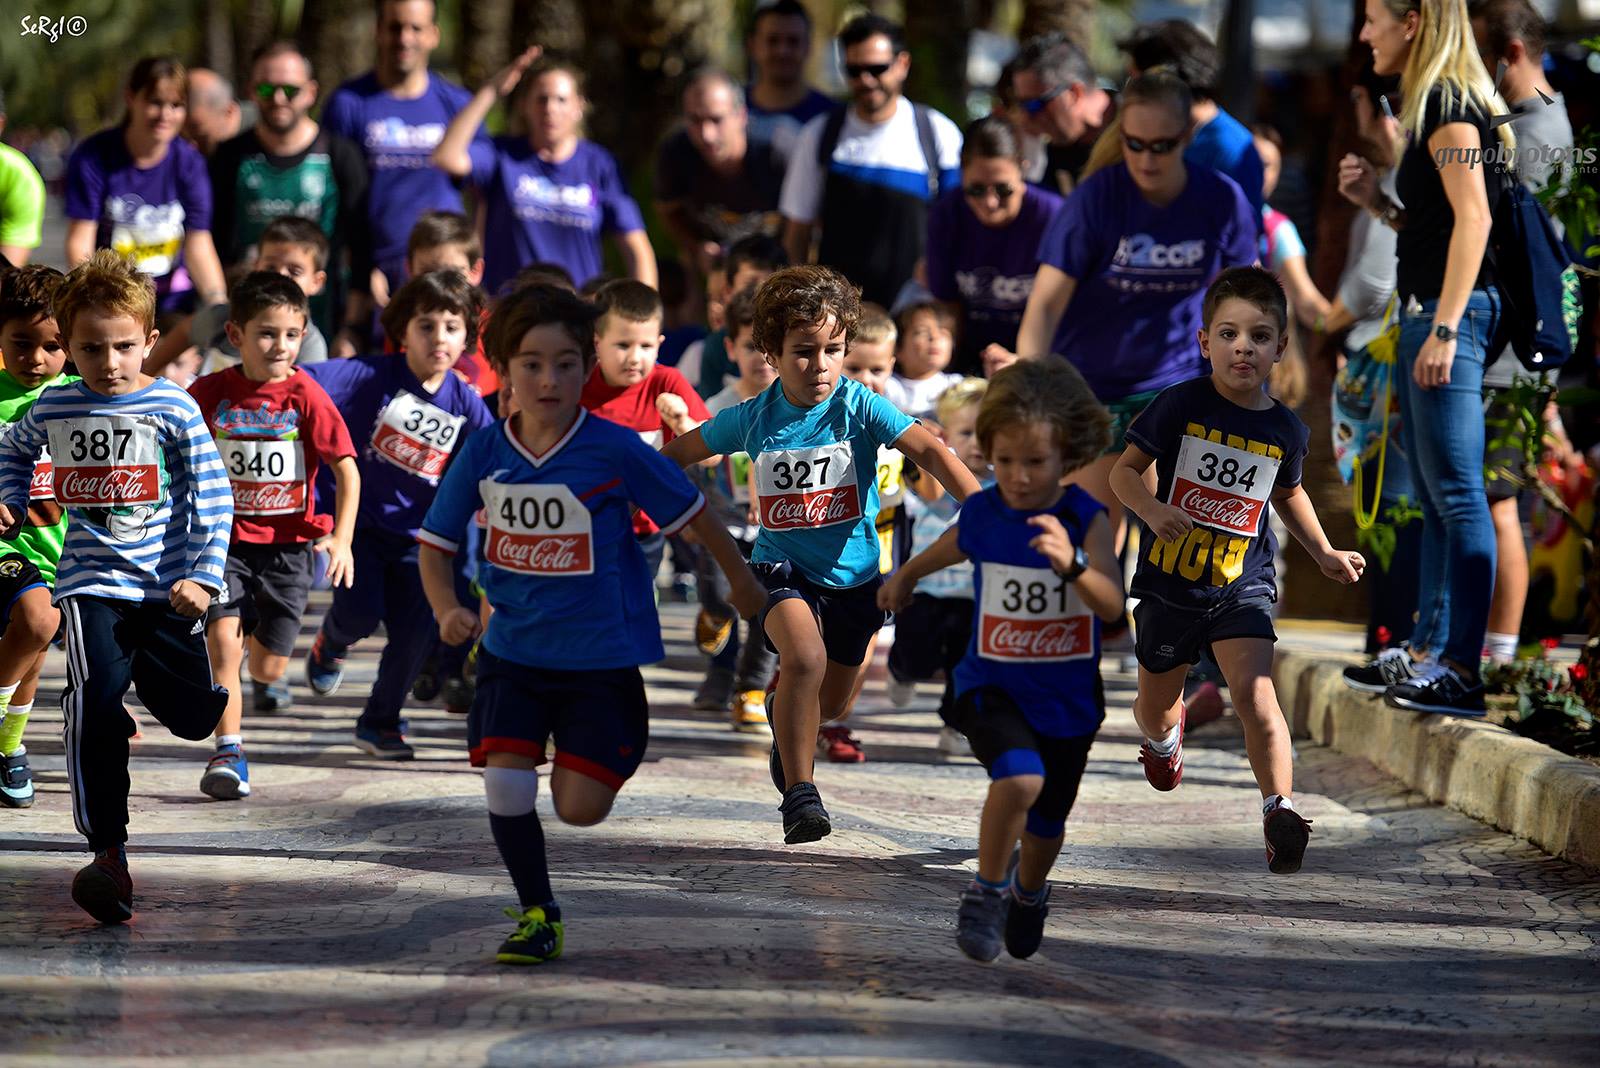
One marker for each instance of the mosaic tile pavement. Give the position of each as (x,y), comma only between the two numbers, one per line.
(347,913)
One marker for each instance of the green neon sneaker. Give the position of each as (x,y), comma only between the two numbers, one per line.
(536,939)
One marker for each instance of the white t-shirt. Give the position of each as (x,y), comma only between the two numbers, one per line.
(917,398)
(887,152)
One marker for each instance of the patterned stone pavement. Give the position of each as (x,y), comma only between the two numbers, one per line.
(348,912)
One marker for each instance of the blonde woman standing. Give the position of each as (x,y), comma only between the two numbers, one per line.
(1447,193)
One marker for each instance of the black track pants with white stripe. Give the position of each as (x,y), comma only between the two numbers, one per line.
(110,644)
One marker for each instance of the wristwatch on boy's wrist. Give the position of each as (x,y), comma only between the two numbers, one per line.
(1080,564)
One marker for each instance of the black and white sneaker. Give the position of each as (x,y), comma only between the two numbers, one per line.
(804,818)
(1441,690)
(1391,666)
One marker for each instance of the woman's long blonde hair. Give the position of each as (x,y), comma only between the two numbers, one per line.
(1445,55)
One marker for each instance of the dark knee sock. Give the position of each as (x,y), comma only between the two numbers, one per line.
(521,843)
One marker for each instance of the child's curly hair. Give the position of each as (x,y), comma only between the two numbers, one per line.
(802,297)
(1047,390)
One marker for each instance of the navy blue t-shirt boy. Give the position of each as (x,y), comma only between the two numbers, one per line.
(1220,463)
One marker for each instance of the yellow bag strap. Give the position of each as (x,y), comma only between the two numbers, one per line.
(1365,520)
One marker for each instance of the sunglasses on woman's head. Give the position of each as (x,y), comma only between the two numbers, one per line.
(977,190)
(1155,148)
(856,70)
(267,90)
(1042,101)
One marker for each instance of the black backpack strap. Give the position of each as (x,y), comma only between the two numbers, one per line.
(830,136)
(930,147)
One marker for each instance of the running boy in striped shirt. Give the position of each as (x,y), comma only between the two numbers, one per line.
(150,517)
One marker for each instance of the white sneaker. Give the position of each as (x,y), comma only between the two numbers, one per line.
(953,743)
(901,694)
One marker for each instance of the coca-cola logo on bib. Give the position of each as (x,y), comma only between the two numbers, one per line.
(43,486)
(107,486)
(415,456)
(1218,509)
(269,498)
(787,511)
(540,554)
(1036,639)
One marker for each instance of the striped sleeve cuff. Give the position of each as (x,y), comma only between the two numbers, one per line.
(687,516)
(436,541)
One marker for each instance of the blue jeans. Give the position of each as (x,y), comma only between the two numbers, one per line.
(1444,427)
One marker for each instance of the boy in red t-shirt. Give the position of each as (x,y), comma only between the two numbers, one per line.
(274,427)
(627,386)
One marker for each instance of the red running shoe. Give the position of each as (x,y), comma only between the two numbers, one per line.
(836,742)
(1164,773)
(1204,705)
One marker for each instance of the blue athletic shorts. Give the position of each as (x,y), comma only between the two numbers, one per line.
(600,719)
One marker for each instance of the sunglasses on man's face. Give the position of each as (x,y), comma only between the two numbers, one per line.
(267,90)
(1039,103)
(1155,148)
(978,190)
(858,70)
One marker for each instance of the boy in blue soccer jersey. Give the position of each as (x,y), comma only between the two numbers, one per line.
(1027,692)
(813,437)
(574,607)
(151,513)
(1224,452)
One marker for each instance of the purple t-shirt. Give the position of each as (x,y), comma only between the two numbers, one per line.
(398,138)
(538,211)
(141,213)
(1142,273)
(989,270)
(405,437)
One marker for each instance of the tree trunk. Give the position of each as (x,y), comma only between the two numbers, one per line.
(340,39)
(937,35)
(484,44)
(1075,18)
(638,54)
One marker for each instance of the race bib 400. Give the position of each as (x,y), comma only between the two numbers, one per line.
(105,461)
(798,488)
(537,529)
(1222,487)
(416,435)
(1032,614)
(268,476)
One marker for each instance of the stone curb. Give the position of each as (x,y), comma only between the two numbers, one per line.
(1485,771)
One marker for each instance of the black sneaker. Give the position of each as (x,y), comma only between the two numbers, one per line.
(981,922)
(775,768)
(270,697)
(1025,924)
(384,744)
(458,695)
(804,818)
(1442,691)
(425,687)
(103,888)
(1287,833)
(1390,667)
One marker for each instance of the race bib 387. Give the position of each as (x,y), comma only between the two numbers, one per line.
(105,461)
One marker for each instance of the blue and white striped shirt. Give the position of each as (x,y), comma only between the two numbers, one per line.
(140,477)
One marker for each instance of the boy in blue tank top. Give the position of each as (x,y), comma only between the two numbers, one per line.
(813,438)
(574,604)
(1028,694)
(1224,452)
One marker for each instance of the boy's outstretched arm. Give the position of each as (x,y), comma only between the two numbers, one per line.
(458,624)
(346,498)
(688,449)
(896,591)
(746,593)
(931,455)
(1127,482)
(1341,565)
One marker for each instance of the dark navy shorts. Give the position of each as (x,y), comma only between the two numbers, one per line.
(847,618)
(1006,744)
(1170,638)
(600,719)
